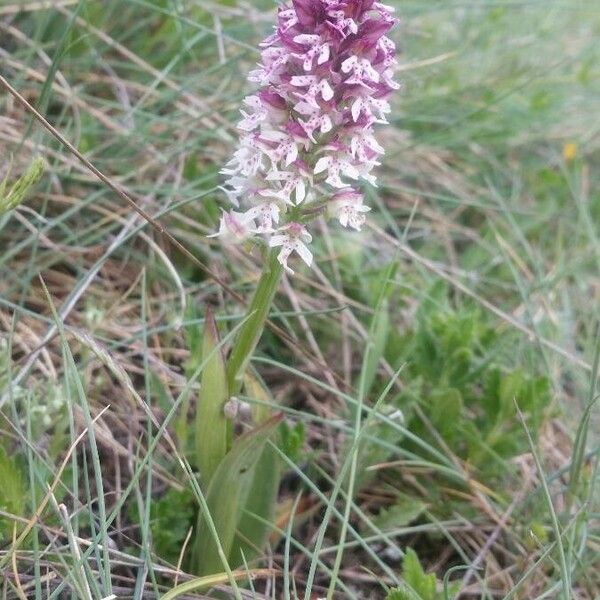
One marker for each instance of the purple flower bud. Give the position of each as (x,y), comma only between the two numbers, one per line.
(360,7)
(307,12)
(371,31)
(273,99)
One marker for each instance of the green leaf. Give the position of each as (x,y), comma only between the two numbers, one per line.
(259,509)
(212,427)
(292,440)
(398,594)
(210,581)
(380,328)
(262,409)
(228,494)
(418,585)
(419,582)
(170,520)
(403,512)
(12,492)
(446,410)
(16,194)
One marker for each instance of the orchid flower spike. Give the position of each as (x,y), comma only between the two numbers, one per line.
(306,136)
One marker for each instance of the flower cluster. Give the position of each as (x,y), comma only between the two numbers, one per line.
(325,77)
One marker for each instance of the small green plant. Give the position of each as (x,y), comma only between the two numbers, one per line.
(458,396)
(11,197)
(468,391)
(170,520)
(417,584)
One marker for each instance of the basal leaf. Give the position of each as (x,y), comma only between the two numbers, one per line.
(262,408)
(259,509)
(212,427)
(228,494)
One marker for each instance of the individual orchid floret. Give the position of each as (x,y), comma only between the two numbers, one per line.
(335,167)
(307,139)
(253,119)
(294,185)
(317,49)
(348,208)
(292,238)
(235,227)
(266,213)
(279,146)
(361,72)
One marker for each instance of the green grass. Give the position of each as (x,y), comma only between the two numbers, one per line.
(404,352)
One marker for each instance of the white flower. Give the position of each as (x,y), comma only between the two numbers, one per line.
(247,160)
(385,10)
(336,166)
(321,122)
(388,78)
(364,171)
(266,213)
(348,208)
(316,87)
(254,119)
(235,227)
(370,104)
(362,141)
(237,187)
(274,59)
(292,239)
(292,182)
(317,48)
(285,148)
(342,24)
(288,18)
(361,70)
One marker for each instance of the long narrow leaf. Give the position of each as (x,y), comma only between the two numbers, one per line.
(10,199)
(211,424)
(204,583)
(259,509)
(228,494)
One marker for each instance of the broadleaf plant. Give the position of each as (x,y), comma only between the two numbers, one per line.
(417,584)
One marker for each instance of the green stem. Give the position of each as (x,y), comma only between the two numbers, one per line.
(253,327)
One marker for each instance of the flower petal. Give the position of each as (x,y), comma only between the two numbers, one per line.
(322,164)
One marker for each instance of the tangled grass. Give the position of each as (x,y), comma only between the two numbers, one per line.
(463,321)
